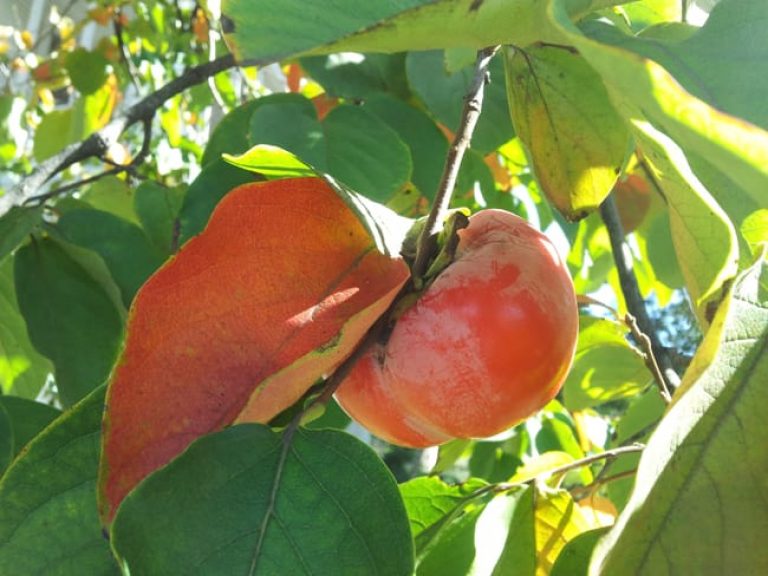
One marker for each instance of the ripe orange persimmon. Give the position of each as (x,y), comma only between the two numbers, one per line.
(487,344)
(633,200)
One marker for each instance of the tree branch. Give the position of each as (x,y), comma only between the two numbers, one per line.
(591,459)
(665,375)
(114,171)
(650,358)
(581,492)
(97,144)
(473,104)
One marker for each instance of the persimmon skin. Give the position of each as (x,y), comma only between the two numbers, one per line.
(487,345)
(633,201)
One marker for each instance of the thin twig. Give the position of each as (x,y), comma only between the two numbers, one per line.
(581,492)
(41,198)
(97,144)
(650,358)
(473,103)
(608,455)
(635,303)
(125,54)
(114,171)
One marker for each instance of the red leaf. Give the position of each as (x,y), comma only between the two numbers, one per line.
(275,293)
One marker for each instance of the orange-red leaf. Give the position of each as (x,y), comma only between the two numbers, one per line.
(274,294)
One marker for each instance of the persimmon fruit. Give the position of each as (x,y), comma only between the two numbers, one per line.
(486,345)
(633,200)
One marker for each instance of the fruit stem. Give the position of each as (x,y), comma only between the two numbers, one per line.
(473,105)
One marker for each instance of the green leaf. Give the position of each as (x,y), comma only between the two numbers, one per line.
(358,76)
(453,551)
(443,519)
(558,520)
(365,153)
(6,439)
(27,418)
(23,370)
(755,229)
(431,504)
(205,191)
(490,461)
(642,413)
(730,45)
(231,134)
(575,139)
(157,207)
(703,235)
(292,124)
(620,490)
(449,453)
(505,535)
(574,558)
(352,145)
(474,175)
(87,70)
(722,63)
(112,194)
(57,129)
(48,519)
(60,128)
(71,315)
(15,225)
(736,202)
(427,144)
(557,435)
(271,162)
(649,12)
(523,531)
(542,466)
(661,251)
(704,465)
(253,29)
(123,246)
(605,366)
(443,94)
(321,502)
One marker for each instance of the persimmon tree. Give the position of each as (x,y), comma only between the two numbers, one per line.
(213,215)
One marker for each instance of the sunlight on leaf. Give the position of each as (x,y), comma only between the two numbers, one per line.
(271,161)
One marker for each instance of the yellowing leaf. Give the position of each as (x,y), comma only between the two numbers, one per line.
(598,510)
(541,465)
(558,520)
(562,113)
(272,296)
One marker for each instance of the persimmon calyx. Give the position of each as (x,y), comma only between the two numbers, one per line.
(443,246)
